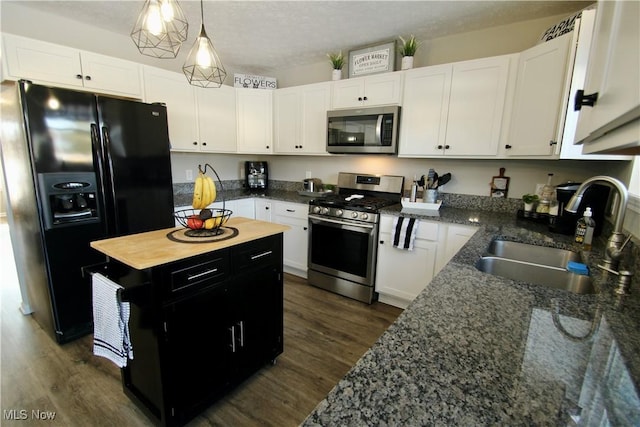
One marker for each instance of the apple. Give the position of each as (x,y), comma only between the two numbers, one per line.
(194,222)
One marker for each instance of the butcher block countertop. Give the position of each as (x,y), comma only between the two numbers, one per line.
(153,248)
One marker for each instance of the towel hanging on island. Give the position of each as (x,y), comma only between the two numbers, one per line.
(404,232)
(110,322)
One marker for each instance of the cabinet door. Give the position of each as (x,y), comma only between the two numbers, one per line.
(296,239)
(538,102)
(107,74)
(42,62)
(257,319)
(200,343)
(286,112)
(424,111)
(403,274)
(254,115)
(456,236)
(347,93)
(476,105)
(315,102)
(216,119)
(173,90)
(383,89)
(263,210)
(613,72)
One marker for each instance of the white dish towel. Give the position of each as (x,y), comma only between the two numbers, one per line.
(404,232)
(110,322)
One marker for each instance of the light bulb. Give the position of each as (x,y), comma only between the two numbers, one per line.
(167,10)
(203,57)
(154,20)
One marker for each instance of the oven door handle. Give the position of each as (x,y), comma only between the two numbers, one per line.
(316,220)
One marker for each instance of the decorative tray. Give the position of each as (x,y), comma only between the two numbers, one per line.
(418,204)
(314,193)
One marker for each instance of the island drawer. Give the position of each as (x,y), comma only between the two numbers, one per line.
(257,254)
(200,272)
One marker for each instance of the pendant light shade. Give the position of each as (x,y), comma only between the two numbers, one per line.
(160,29)
(203,66)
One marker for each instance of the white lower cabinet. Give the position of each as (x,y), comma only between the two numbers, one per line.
(401,274)
(296,239)
(263,208)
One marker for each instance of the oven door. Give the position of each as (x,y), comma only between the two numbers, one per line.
(343,248)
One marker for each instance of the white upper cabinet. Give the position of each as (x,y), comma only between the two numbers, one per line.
(612,124)
(174,91)
(254,112)
(423,120)
(370,91)
(454,109)
(200,120)
(216,119)
(300,119)
(538,100)
(51,64)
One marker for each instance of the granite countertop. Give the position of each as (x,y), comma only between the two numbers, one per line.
(477,349)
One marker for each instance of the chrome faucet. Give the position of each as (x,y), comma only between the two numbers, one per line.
(615,243)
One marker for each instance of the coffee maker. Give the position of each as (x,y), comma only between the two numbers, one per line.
(595,197)
(256,175)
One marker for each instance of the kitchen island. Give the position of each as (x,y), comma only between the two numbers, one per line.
(205,315)
(478,349)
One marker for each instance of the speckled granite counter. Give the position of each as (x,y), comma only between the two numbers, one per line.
(477,349)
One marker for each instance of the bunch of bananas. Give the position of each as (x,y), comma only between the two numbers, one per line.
(204,191)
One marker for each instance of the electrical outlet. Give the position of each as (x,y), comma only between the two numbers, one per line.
(189,174)
(307,174)
(539,188)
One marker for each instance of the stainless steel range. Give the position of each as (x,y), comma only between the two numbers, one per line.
(343,233)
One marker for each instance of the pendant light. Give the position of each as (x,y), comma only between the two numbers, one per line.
(203,66)
(160,29)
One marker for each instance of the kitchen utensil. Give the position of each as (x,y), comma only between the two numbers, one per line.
(435,180)
(443,179)
(430,175)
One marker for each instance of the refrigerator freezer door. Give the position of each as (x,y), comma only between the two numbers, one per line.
(138,184)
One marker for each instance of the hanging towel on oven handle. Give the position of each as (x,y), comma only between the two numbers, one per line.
(404,232)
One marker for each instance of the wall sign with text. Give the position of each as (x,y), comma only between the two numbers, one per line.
(380,58)
(254,82)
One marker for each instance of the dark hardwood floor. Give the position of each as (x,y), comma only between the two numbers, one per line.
(325,334)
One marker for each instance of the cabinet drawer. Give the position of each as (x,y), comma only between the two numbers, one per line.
(258,254)
(293,210)
(200,274)
(427,230)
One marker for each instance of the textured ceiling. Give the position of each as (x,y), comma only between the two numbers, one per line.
(264,35)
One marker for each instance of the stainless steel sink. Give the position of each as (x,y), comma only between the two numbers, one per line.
(543,255)
(539,265)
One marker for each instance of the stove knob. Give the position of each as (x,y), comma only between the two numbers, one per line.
(316,209)
(324,211)
(354,214)
(339,212)
(364,216)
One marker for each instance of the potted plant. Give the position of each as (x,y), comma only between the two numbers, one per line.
(337,62)
(408,49)
(529,200)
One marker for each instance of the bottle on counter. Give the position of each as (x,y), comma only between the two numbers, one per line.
(414,191)
(547,197)
(584,230)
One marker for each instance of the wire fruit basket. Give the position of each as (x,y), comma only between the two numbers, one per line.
(205,222)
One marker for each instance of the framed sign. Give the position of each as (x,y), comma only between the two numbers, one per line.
(254,82)
(374,59)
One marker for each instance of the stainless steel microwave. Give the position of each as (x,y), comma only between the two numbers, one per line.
(372,130)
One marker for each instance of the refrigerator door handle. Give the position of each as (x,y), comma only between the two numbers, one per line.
(112,190)
(97,149)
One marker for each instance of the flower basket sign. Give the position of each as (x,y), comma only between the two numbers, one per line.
(380,58)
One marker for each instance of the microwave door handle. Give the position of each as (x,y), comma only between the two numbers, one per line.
(379,130)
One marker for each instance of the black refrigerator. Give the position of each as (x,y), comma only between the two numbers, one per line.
(78,167)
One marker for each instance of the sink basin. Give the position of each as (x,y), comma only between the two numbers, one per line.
(539,265)
(543,255)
